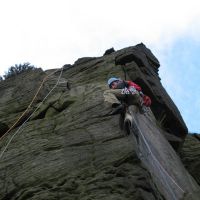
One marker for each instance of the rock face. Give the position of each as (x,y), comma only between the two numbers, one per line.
(190,155)
(68,149)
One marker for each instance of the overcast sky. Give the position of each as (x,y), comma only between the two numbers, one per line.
(51,33)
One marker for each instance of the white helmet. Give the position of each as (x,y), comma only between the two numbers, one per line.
(110,80)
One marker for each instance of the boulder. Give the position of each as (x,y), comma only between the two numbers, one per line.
(68,149)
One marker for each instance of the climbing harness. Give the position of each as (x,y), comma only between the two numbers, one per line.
(1,155)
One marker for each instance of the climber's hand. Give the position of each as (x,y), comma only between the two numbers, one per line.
(146,100)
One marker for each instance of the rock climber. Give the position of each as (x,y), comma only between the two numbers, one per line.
(124,91)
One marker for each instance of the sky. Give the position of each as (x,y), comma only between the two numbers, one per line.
(51,33)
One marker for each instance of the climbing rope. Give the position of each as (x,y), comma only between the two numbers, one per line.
(158,163)
(1,155)
(124,70)
(45,78)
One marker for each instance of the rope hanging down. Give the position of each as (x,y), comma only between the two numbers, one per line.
(40,87)
(1,155)
(159,166)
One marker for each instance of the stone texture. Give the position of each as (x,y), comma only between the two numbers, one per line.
(159,158)
(142,66)
(69,149)
(190,154)
(109,51)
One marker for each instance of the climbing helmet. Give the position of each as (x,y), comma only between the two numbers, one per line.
(111,80)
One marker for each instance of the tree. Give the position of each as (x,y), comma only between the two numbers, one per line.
(18,69)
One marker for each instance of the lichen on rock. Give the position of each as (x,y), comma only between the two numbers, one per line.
(68,149)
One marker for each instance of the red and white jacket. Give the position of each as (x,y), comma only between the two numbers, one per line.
(132,84)
(146,99)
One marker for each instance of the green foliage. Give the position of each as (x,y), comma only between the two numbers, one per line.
(18,69)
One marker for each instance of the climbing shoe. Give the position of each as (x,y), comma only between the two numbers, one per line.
(117,110)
